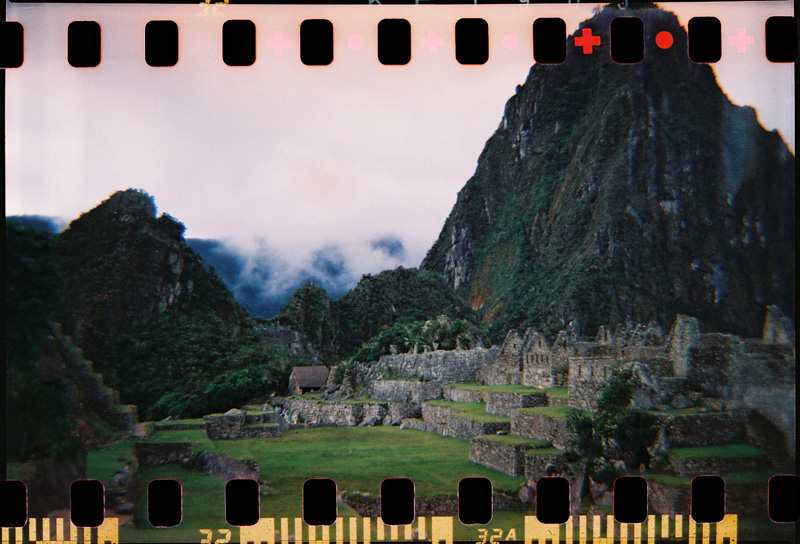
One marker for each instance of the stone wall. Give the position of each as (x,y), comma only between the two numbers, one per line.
(422,425)
(713,465)
(536,464)
(404,390)
(447,422)
(701,429)
(347,414)
(155,454)
(178,426)
(265,416)
(437,414)
(225,426)
(541,427)
(504,403)
(587,377)
(462,395)
(538,376)
(502,456)
(445,366)
(497,403)
(224,466)
(668,499)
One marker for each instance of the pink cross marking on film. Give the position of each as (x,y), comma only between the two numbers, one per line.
(741,40)
(278,43)
(432,42)
(587,41)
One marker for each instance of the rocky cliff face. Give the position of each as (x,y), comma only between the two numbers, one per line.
(123,267)
(615,190)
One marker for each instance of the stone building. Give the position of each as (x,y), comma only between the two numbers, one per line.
(305,379)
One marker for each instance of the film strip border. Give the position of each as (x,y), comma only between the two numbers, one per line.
(595,529)
(394,44)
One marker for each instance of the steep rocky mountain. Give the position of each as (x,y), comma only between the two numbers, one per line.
(337,328)
(613,190)
(160,327)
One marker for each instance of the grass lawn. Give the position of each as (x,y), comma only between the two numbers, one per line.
(513,439)
(197,421)
(508,388)
(543,451)
(559,411)
(102,463)
(474,411)
(557,392)
(727,451)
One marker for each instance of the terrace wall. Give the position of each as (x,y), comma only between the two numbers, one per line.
(541,427)
(447,422)
(701,429)
(668,499)
(445,366)
(156,454)
(698,466)
(405,390)
(502,456)
(536,465)
(347,414)
(504,403)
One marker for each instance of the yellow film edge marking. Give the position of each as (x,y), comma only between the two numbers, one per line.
(339,530)
(367,531)
(379,530)
(284,530)
(353,531)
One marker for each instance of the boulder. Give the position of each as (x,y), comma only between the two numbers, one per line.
(370,422)
(222,466)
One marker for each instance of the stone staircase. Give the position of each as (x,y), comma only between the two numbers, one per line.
(105,399)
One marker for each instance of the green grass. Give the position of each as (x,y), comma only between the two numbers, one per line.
(518,440)
(258,425)
(196,421)
(474,411)
(509,388)
(559,412)
(557,392)
(669,479)
(727,451)
(203,507)
(543,451)
(197,437)
(358,460)
(102,463)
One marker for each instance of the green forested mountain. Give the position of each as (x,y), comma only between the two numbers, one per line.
(613,190)
(159,326)
(338,328)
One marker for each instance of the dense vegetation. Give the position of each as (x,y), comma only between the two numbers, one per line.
(159,326)
(400,307)
(615,431)
(405,337)
(606,193)
(47,430)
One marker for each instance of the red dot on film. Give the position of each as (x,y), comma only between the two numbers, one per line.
(664,39)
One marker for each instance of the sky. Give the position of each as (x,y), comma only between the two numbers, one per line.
(341,170)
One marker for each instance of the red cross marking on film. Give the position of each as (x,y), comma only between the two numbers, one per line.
(741,40)
(278,43)
(587,41)
(433,42)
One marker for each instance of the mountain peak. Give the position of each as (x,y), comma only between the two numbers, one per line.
(612,189)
